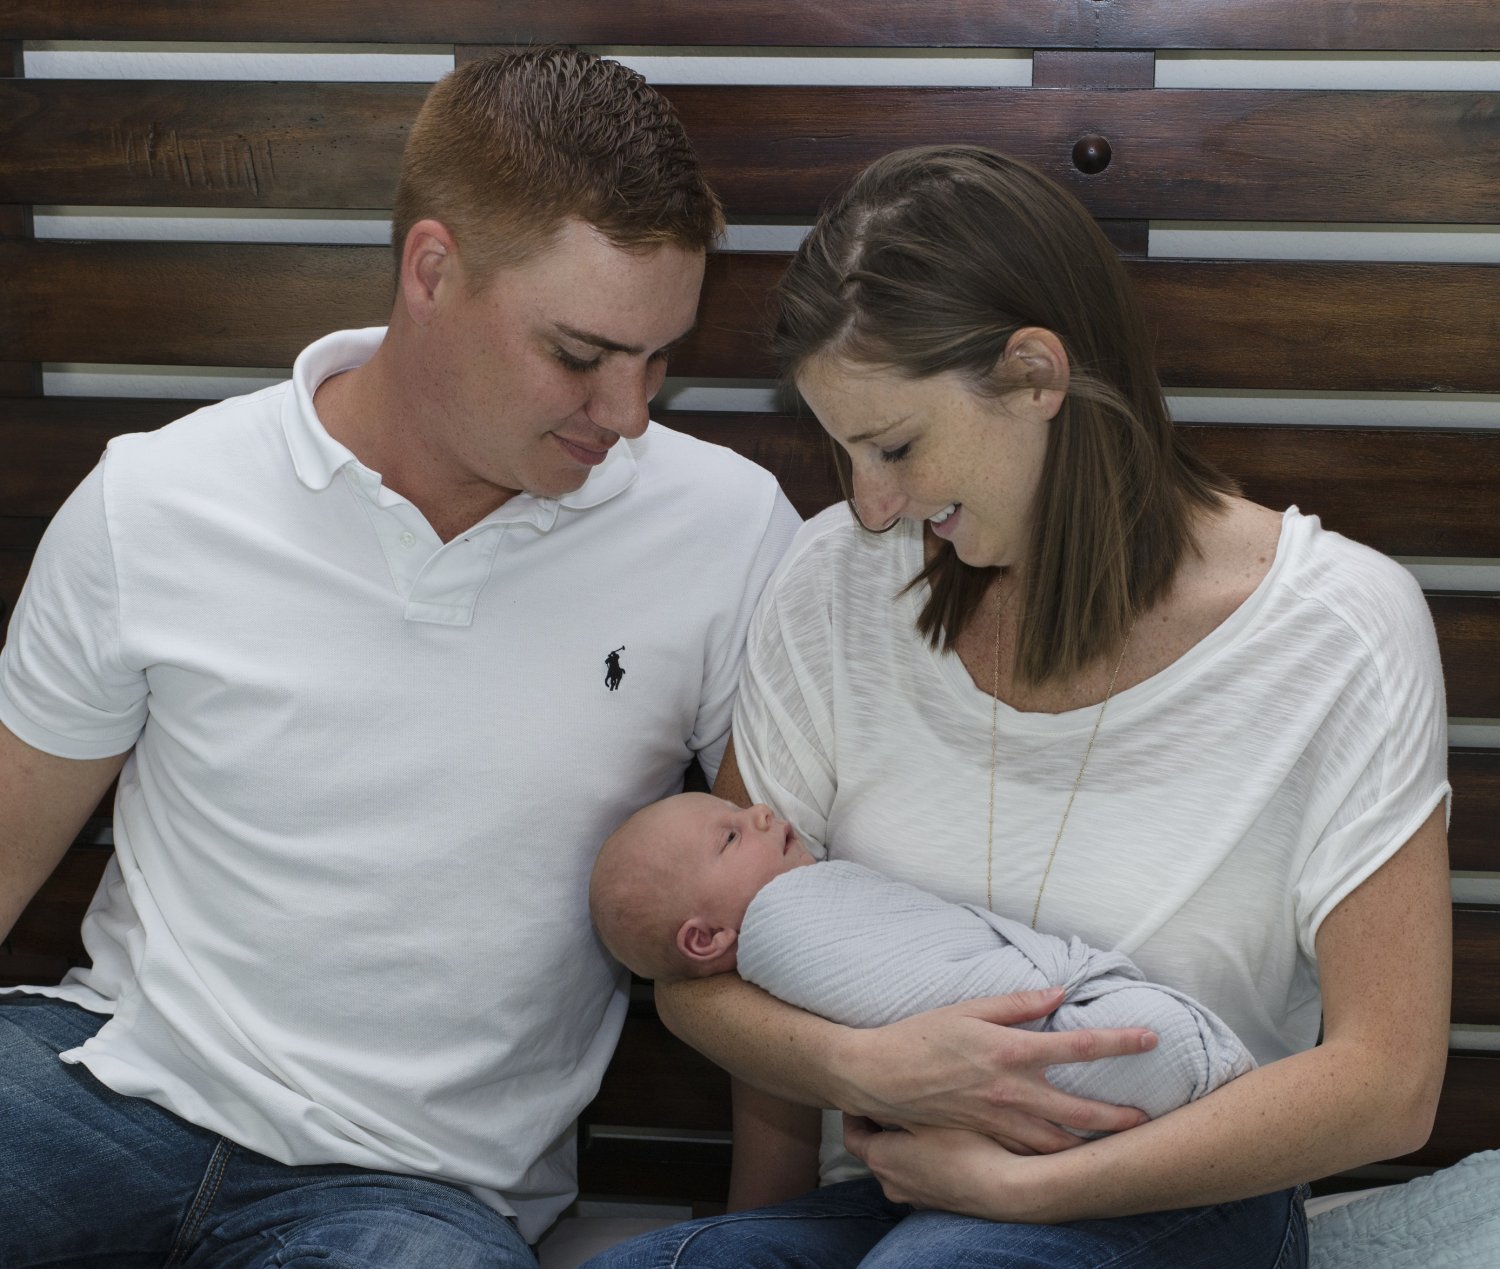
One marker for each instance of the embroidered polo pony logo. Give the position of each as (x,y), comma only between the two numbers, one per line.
(613,670)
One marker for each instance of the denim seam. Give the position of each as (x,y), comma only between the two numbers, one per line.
(1290,1241)
(208,1191)
(1126,1257)
(738,1219)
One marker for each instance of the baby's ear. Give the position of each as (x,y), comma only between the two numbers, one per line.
(701,941)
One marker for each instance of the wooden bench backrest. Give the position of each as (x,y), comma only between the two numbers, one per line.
(1091,116)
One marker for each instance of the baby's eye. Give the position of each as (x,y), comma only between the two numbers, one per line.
(732,838)
(895,455)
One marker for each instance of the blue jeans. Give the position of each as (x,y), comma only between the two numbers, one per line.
(841,1226)
(89,1178)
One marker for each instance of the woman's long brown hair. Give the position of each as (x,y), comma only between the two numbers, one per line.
(929,263)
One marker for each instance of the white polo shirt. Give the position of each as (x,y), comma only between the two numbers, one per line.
(346,918)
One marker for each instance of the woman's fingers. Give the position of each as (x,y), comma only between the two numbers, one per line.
(1084,1045)
(969,1066)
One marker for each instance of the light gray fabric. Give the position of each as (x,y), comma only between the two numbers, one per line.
(1448,1220)
(855,947)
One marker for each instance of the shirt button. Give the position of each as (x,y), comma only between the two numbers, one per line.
(408,539)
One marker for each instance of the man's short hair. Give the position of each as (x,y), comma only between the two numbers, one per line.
(508,148)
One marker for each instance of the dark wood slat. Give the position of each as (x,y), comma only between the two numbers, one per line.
(203,144)
(51,443)
(1474,832)
(1468,1117)
(17,378)
(1401,491)
(634,1093)
(1468,630)
(1247,24)
(27,969)
(49,925)
(1404,492)
(1282,325)
(646,1171)
(1476,965)
(214,317)
(1176,153)
(1239,324)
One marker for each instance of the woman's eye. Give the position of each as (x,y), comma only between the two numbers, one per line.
(895,455)
(571,362)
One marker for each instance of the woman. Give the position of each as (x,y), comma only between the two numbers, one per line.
(1061,668)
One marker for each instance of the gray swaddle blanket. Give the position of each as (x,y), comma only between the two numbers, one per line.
(855,947)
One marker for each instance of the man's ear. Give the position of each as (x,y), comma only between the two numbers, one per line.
(1038,364)
(428,257)
(701,941)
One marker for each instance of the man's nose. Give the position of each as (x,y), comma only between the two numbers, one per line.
(622,395)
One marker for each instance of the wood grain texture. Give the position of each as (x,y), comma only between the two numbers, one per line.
(204,144)
(1474,831)
(1476,965)
(1214,24)
(1271,325)
(1468,1117)
(1404,492)
(1178,154)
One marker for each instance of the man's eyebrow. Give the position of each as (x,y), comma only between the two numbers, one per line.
(607,344)
(878,430)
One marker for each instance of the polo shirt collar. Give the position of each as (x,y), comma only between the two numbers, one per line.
(317,458)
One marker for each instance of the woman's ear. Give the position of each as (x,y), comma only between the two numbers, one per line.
(1036,361)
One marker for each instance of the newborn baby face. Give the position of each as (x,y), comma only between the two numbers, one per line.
(733,851)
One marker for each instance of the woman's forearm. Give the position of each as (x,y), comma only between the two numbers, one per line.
(1368,1092)
(1307,1116)
(755,1037)
(964,1066)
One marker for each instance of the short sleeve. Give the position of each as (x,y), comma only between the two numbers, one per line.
(1386,771)
(725,654)
(63,687)
(783,721)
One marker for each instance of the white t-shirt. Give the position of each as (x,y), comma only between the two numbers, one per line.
(346,919)
(1230,803)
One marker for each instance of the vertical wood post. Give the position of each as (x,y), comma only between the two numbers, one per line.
(1099,68)
(17,378)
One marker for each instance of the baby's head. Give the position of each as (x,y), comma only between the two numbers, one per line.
(672,883)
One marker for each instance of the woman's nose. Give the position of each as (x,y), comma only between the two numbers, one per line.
(877,501)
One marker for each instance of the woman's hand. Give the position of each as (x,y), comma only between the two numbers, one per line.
(948,1168)
(967,1066)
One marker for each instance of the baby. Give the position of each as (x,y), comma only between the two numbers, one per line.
(693,885)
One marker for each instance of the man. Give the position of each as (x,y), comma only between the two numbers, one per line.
(347,644)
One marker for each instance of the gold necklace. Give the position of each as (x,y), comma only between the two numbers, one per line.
(989,856)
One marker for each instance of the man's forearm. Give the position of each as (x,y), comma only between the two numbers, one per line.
(775,1149)
(44,801)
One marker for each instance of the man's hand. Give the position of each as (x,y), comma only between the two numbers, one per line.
(967,1066)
